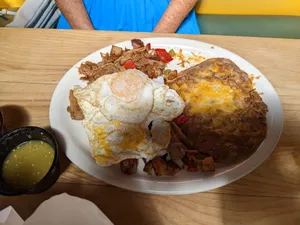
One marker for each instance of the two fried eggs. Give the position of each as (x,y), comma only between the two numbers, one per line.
(126,115)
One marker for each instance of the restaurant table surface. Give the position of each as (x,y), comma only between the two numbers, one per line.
(32,62)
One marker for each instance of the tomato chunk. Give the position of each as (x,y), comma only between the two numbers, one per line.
(182,119)
(192,169)
(129,64)
(148,46)
(164,55)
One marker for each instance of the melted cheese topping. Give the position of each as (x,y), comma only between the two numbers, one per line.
(208,96)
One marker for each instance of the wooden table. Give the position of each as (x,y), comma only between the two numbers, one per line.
(33,61)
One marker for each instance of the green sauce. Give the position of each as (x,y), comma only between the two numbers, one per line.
(27,164)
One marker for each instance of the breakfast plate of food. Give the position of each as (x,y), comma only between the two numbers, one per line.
(166,115)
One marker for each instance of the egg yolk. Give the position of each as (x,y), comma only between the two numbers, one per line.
(132,137)
(127,86)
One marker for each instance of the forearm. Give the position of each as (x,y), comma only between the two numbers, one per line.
(174,15)
(75,13)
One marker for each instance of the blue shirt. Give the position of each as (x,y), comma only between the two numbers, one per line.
(131,15)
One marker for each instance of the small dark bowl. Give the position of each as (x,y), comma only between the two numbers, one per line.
(16,137)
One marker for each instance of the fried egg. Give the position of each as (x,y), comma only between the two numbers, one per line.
(167,105)
(118,109)
(119,95)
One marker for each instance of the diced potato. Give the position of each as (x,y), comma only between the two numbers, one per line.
(172,75)
(208,164)
(173,168)
(148,167)
(160,166)
(129,166)
(164,168)
(115,50)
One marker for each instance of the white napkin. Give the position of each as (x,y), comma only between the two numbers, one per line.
(61,209)
(9,216)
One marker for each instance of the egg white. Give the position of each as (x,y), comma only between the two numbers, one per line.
(118,109)
(167,104)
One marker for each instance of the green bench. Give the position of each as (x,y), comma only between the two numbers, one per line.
(259,26)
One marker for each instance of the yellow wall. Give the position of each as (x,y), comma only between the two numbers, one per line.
(227,7)
(11,3)
(249,7)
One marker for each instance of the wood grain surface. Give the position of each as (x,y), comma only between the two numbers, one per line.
(33,61)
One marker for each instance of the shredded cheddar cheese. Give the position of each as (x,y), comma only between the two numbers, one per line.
(197,58)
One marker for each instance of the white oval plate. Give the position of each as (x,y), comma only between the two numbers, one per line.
(77,145)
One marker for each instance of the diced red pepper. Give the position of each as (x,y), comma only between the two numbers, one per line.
(187,160)
(182,119)
(164,55)
(148,46)
(129,64)
(192,169)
